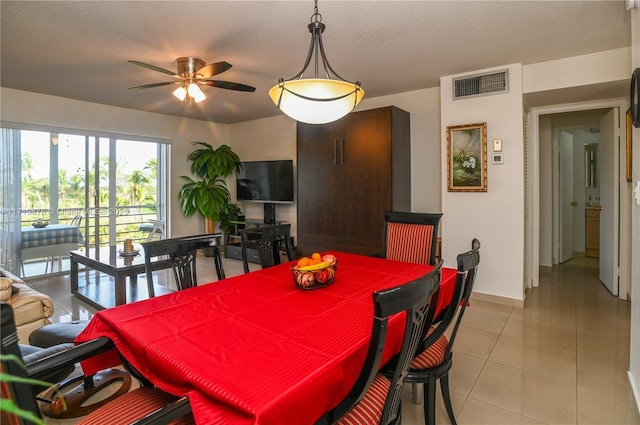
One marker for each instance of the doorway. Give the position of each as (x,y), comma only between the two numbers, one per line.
(576,146)
(545,196)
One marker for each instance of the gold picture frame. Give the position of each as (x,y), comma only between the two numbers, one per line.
(467,158)
(629,146)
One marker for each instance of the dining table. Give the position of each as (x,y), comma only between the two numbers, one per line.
(255,349)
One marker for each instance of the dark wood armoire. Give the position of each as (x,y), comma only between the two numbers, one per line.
(350,172)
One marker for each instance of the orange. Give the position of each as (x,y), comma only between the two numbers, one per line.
(316,256)
(304,261)
(315,261)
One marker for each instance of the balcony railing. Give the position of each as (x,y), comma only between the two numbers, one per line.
(128,222)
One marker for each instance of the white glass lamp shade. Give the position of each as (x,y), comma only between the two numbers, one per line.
(196,93)
(180,93)
(316,100)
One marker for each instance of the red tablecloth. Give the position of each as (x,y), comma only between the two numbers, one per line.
(253,349)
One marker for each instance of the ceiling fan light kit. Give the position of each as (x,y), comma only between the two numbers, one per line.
(180,93)
(193,73)
(196,94)
(316,100)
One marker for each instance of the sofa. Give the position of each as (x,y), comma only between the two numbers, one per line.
(32,309)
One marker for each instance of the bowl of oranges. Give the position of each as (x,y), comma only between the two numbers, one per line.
(315,271)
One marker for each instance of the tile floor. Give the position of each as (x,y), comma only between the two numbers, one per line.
(563,359)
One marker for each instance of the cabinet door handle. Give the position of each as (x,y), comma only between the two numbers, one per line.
(341,151)
(335,152)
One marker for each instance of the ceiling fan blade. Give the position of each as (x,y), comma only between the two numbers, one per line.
(148,86)
(212,69)
(227,85)
(155,68)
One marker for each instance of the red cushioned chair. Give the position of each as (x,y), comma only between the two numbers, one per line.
(435,356)
(144,405)
(375,398)
(410,237)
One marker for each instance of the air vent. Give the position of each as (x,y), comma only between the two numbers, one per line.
(481,84)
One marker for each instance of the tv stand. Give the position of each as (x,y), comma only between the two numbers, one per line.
(233,244)
(269,213)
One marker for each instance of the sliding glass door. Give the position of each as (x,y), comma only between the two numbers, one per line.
(108,186)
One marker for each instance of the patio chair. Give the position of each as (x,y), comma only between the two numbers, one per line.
(75,221)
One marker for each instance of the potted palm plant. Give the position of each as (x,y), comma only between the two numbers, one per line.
(229,217)
(208,193)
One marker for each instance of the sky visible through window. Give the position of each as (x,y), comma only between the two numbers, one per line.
(131,155)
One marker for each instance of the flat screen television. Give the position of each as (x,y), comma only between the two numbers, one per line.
(265,181)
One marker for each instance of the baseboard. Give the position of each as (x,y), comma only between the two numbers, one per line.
(636,392)
(496,299)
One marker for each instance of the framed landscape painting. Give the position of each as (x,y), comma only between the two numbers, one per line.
(467,158)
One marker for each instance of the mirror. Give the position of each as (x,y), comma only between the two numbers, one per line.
(591,165)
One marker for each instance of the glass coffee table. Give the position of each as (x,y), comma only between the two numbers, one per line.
(98,290)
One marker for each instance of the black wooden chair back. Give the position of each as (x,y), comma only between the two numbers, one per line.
(181,253)
(467,268)
(268,241)
(410,237)
(434,357)
(418,300)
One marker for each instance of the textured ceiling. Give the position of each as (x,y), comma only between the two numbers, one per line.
(80,49)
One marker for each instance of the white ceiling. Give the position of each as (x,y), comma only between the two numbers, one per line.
(80,49)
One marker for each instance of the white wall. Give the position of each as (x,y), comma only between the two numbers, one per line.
(494,217)
(38,109)
(594,68)
(266,139)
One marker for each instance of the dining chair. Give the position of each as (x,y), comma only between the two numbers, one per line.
(268,241)
(435,357)
(180,255)
(410,237)
(375,398)
(144,405)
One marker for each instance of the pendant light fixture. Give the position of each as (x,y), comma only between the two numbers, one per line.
(316,100)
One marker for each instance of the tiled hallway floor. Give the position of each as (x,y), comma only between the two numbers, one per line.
(563,359)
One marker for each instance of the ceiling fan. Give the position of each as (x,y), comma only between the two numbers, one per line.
(192,73)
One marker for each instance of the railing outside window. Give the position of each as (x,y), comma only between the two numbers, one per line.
(129,219)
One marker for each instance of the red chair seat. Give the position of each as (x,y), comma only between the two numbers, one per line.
(432,356)
(132,406)
(369,409)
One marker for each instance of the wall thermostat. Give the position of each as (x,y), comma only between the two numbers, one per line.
(497,145)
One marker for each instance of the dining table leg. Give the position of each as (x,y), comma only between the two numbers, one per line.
(121,289)
(73,265)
